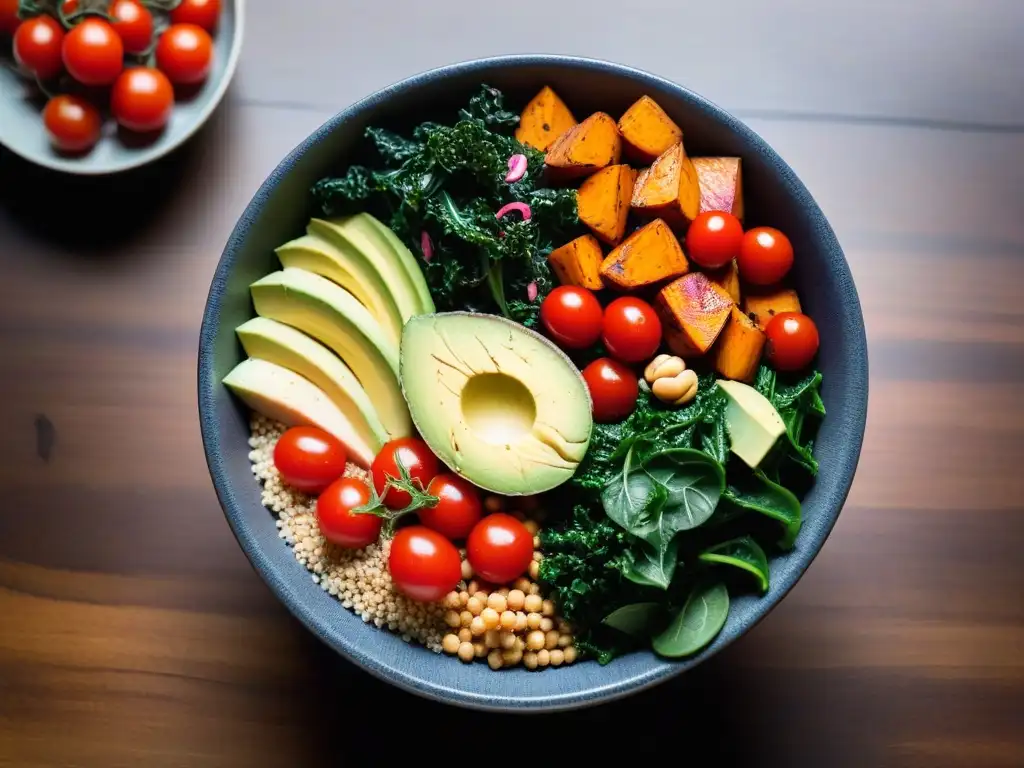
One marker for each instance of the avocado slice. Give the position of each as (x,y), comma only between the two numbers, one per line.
(266,339)
(285,396)
(333,316)
(753,424)
(395,264)
(350,269)
(498,403)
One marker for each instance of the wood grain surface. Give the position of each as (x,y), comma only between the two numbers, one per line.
(133,631)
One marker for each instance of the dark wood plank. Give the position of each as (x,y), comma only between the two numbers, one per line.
(134,632)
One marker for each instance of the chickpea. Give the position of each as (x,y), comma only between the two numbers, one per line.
(523,585)
(557,657)
(511,657)
(533,603)
(564,641)
(508,620)
(492,639)
(474,606)
(451,618)
(516,599)
(503,591)
(535,640)
(507,640)
(450,644)
(451,600)
(490,617)
(537,556)
(535,589)
(534,570)
(520,644)
(533,620)
(547,608)
(494,660)
(551,639)
(532,527)
(536,542)
(520,621)
(530,660)
(467,570)
(463,598)
(473,587)
(466,652)
(465,636)
(546,624)
(569,654)
(465,618)
(497,602)
(477,626)
(480,650)
(482,595)
(543,657)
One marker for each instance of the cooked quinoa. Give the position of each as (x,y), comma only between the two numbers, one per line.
(506,625)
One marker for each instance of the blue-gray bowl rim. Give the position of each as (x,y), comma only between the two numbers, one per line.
(659,670)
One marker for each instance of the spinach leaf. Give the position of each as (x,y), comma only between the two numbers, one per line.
(633,500)
(652,563)
(743,553)
(635,619)
(693,482)
(696,624)
(755,492)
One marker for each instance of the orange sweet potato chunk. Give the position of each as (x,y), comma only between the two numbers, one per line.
(648,256)
(647,131)
(693,311)
(762,304)
(727,278)
(737,353)
(721,184)
(585,148)
(579,263)
(545,119)
(669,189)
(603,202)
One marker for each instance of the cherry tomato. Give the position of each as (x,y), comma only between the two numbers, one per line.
(202,13)
(93,52)
(631,329)
(457,510)
(792,340)
(572,316)
(765,256)
(415,456)
(424,565)
(185,53)
(9,20)
(714,239)
(613,388)
(69,7)
(72,123)
(499,548)
(309,459)
(338,523)
(142,99)
(133,23)
(37,46)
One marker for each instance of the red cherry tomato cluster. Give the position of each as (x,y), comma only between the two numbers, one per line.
(423,561)
(112,54)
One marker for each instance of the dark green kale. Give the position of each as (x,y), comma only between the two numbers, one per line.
(488,105)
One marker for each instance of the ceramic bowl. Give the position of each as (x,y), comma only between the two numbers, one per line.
(279,211)
(21,104)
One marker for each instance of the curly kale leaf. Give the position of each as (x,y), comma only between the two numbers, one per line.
(393,149)
(488,105)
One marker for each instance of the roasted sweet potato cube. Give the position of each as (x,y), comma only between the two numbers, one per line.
(647,131)
(693,311)
(762,304)
(579,263)
(727,277)
(721,184)
(668,189)
(603,202)
(737,353)
(649,256)
(545,119)
(585,148)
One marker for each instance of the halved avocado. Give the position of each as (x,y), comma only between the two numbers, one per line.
(266,339)
(498,403)
(350,269)
(333,316)
(285,396)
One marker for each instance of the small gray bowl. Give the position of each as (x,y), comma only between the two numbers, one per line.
(21,121)
(279,211)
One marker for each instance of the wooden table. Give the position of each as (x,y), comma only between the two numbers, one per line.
(133,631)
